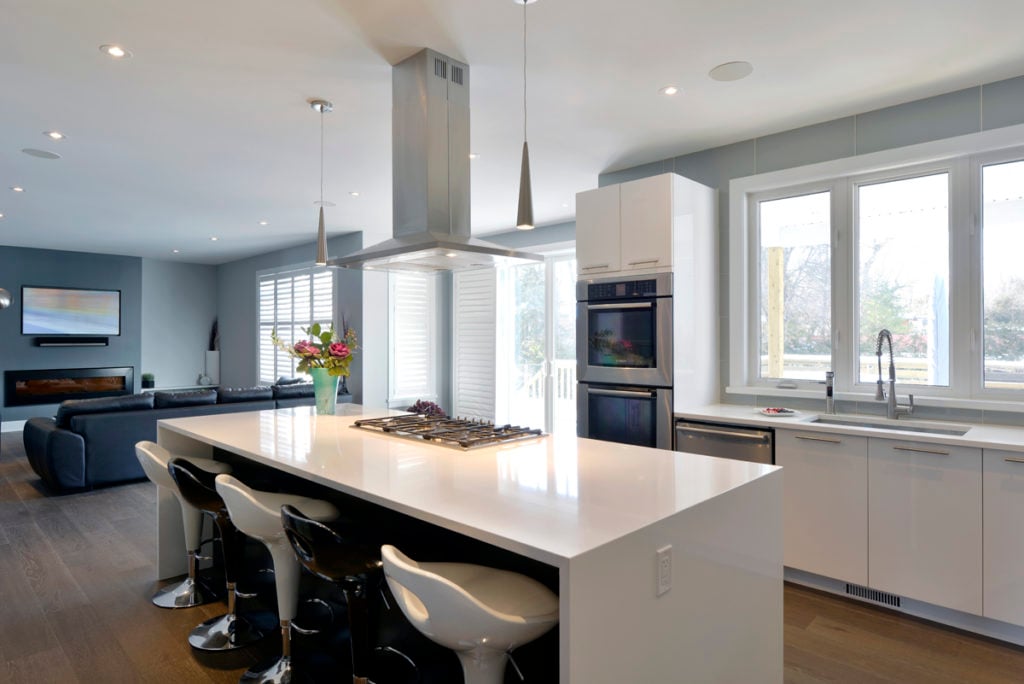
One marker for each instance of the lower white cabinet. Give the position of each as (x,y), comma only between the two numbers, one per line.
(1004,535)
(825,507)
(925,522)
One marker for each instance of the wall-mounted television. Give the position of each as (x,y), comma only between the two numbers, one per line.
(70,311)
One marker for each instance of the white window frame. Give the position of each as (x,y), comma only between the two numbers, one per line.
(962,157)
(279,356)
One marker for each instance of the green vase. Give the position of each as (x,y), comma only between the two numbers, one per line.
(325,390)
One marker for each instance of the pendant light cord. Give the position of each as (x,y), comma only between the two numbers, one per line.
(525,2)
(321,156)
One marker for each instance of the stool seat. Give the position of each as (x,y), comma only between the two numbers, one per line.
(258,514)
(480,613)
(154,460)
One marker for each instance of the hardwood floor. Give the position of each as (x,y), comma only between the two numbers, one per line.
(76,574)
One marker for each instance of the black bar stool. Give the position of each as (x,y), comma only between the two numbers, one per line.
(229,631)
(347,562)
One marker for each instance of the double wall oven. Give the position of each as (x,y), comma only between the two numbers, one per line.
(624,357)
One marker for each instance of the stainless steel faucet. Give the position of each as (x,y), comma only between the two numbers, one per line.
(892,409)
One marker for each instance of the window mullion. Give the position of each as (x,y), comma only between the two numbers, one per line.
(964,282)
(844,326)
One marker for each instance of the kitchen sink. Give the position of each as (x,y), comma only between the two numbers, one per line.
(923,426)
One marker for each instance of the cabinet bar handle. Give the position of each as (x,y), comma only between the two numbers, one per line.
(754,436)
(1011,459)
(919,450)
(819,439)
(590,268)
(644,261)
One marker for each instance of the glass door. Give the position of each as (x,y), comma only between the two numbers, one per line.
(537,345)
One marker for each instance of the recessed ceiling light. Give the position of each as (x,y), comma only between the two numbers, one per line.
(565,205)
(55,135)
(17,188)
(175,251)
(1,215)
(263,223)
(41,154)
(474,155)
(669,90)
(354,193)
(214,238)
(451,255)
(731,71)
(115,51)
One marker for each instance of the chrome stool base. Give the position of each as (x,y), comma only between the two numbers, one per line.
(185,594)
(224,633)
(280,672)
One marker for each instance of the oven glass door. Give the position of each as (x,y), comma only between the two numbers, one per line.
(637,416)
(626,342)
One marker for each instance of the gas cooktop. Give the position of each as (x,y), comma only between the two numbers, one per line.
(458,433)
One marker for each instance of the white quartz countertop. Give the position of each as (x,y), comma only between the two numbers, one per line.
(552,498)
(981,436)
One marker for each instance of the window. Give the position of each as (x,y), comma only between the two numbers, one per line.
(923,242)
(412,331)
(795,321)
(902,229)
(290,302)
(1003,287)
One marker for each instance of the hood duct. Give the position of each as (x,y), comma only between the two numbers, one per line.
(430,176)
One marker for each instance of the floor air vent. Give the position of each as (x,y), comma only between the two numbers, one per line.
(873,595)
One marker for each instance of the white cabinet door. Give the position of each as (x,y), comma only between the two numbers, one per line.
(1003,490)
(825,508)
(646,223)
(924,522)
(597,231)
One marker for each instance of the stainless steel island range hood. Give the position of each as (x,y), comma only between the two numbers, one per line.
(430,160)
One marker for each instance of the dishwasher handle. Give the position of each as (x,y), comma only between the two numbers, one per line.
(752,436)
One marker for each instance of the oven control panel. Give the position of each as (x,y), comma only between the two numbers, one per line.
(621,290)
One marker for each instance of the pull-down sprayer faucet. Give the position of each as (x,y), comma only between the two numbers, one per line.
(892,409)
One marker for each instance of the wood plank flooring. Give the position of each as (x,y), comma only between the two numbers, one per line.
(76,574)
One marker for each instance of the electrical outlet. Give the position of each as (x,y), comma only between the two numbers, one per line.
(664,571)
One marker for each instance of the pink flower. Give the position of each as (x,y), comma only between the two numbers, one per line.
(305,348)
(339,349)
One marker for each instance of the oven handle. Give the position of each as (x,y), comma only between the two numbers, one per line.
(623,393)
(630,305)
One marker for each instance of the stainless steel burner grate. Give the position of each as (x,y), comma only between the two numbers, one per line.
(458,433)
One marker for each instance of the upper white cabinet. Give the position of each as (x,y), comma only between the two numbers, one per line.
(640,226)
(1004,535)
(825,507)
(924,517)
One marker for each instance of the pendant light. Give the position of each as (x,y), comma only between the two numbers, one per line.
(524,218)
(324,107)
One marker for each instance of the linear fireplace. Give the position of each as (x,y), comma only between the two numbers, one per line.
(52,386)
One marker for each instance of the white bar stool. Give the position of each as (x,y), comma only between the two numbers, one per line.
(258,515)
(154,459)
(480,613)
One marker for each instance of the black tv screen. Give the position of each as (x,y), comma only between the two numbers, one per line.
(70,311)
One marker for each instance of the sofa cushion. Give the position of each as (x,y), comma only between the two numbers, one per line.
(285,380)
(302,389)
(78,407)
(233,395)
(192,398)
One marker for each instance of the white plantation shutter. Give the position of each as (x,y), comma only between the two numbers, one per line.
(290,301)
(474,343)
(413,335)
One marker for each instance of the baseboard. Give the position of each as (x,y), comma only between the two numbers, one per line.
(976,624)
(12,425)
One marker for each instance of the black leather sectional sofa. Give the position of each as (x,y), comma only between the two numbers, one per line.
(91,442)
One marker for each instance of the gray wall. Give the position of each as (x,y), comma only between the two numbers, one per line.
(179,305)
(42,267)
(536,238)
(237,302)
(966,111)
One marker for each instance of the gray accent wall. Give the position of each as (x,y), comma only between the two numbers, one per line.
(984,107)
(51,268)
(179,305)
(238,300)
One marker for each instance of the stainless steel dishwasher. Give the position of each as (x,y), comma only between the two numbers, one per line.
(726,441)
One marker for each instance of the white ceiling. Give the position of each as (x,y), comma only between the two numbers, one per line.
(206,130)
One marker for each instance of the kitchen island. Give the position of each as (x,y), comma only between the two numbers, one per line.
(597,512)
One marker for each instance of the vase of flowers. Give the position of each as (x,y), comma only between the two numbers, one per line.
(326,357)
